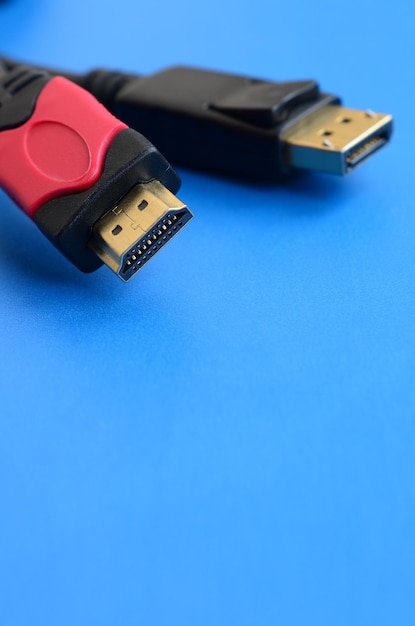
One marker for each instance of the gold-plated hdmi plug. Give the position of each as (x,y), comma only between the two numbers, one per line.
(335,139)
(129,235)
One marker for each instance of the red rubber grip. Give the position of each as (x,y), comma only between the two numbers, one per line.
(60,150)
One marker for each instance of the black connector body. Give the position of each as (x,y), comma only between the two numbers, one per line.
(217,122)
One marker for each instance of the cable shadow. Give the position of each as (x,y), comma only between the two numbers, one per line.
(26,255)
(60,296)
(300,194)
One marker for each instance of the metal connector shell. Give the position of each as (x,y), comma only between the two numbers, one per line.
(129,235)
(335,139)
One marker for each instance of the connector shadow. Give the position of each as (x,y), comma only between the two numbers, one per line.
(298,194)
(26,255)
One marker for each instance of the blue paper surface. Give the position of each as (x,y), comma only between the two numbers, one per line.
(228,439)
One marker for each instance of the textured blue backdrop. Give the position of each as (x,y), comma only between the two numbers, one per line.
(230,438)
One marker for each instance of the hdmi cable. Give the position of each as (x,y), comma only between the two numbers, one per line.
(98,190)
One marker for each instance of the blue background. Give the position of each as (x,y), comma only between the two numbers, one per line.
(228,439)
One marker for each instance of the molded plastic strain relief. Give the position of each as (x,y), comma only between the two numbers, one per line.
(104,85)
